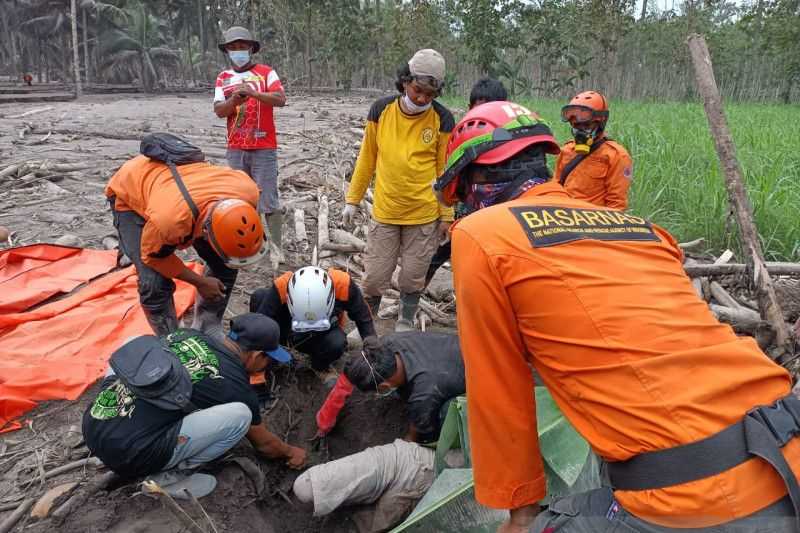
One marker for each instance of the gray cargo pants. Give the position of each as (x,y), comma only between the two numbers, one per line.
(597,511)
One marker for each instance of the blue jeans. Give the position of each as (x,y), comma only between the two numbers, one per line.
(208,433)
(262,166)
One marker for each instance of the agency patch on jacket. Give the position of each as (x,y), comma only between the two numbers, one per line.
(552,225)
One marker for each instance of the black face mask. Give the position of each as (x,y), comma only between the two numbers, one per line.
(584,138)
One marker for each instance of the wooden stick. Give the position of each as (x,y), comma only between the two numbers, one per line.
(90,461)
(31,112)
(9,523)
(341,236)
(741,319)
(323,234)
(737,193)
(723,296)
(775,268)
(151,487)
(300,225)
(692,244)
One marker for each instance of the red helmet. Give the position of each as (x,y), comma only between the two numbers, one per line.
(588,106)
(234,230)
(488,134)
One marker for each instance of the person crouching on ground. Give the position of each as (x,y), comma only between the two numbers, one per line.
(166,407)
(403,148)
(425,368)
(153,219)
(310,306)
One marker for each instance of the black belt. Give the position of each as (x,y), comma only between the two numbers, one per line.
(761,433)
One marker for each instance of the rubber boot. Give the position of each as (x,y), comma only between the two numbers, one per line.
(408,308)
(374,304)
(165,322)
(275,226)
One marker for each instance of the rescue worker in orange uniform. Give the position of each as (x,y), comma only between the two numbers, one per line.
(592,167)
(696,424)
(309,305)
(154,219)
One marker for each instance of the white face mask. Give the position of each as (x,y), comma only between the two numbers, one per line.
(239,57)
(413,108)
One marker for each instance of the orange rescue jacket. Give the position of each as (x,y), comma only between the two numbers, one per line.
(602,178)
(598,303)
(148,188)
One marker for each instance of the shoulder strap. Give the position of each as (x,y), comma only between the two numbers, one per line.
(184,190)
(569,167)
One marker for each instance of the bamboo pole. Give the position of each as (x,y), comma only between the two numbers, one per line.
(737,193)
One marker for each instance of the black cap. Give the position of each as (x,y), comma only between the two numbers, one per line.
(254,331)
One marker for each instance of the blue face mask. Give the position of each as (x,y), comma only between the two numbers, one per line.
(239,57)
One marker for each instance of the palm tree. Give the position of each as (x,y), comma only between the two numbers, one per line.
(138,47)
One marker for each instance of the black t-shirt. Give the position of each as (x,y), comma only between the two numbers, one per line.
(434,375)
(135,438)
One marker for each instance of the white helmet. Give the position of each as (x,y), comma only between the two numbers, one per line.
(310,299)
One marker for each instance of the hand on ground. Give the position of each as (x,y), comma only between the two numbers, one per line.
(297,458)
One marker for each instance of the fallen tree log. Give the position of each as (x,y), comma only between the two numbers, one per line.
(744,320)
(774,268)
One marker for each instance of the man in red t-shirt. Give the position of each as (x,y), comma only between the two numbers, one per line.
(245,94)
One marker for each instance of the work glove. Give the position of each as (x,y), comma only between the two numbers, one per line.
(349,214)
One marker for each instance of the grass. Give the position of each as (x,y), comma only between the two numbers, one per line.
(678,182)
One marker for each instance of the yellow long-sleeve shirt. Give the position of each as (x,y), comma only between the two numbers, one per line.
(405,153)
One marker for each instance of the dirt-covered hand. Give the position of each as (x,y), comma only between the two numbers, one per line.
(296,458)
(349,214)
(211,289)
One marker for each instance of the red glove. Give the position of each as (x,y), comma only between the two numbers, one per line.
(327,414)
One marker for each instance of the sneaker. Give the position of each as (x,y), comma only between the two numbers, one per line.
(403,325)
(177,483)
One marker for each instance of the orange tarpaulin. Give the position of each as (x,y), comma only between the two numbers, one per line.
(31,274)
(59,349)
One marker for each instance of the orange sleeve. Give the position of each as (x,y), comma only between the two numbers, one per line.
(619,181)
(154,245)
(501,408)
(559,166)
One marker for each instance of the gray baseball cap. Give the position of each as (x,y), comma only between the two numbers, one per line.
(427,67)
(153,373)
(238,33)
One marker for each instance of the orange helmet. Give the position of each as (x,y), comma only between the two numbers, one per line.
(588,106)
(235,232)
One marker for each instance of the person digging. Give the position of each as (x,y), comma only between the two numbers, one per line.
(426,370)
(168,406)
